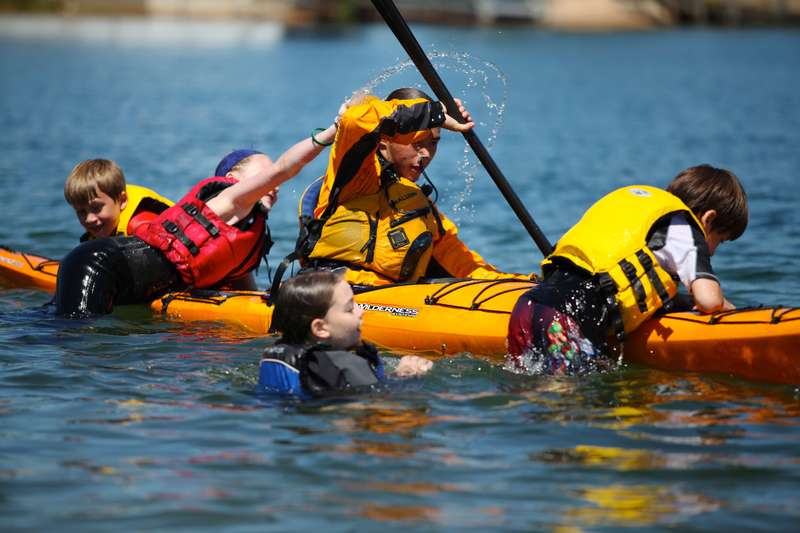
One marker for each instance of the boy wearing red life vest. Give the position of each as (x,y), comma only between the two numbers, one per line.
(216,233)
(106,206)
(621,263)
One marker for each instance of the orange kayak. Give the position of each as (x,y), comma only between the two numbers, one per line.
(18,269)
(447,317)
(450,317)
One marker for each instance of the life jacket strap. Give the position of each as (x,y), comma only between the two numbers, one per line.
(173,228)
(278,276)
(310,230)
(647,264)
(638,289)
(410,215)
(201,219)
(608,288)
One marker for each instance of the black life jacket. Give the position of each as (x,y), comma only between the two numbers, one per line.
(318,369)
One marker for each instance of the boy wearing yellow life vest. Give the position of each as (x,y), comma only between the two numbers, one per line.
(621,263)
(106,206)
(371,215)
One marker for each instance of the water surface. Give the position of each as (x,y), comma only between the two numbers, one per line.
(133,422)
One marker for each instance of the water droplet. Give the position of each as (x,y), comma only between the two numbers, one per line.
(481,76)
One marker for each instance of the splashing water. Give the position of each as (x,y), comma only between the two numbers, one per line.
(554,342)
(538,362)
(481,76)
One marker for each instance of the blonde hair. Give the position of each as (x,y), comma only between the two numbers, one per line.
(243,163)
(92,174)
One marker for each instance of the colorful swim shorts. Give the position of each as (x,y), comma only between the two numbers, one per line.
(543,340)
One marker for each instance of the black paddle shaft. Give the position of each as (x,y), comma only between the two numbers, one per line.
(400,28)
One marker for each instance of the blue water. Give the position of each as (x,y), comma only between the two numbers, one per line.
(133,423)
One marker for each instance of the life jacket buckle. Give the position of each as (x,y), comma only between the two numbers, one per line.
(607,285)
(398,238)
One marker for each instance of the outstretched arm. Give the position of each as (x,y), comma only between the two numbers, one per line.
(236,202)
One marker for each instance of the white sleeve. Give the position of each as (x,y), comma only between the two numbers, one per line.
(685,252)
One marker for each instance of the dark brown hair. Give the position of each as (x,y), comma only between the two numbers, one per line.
(103,174)
(407,93)
(703,188)
(301,300)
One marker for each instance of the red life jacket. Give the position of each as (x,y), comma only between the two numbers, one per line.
(204,249)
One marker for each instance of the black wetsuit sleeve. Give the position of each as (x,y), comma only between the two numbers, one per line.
(101,273)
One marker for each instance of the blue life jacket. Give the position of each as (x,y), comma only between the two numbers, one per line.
(309,200)
(318,370)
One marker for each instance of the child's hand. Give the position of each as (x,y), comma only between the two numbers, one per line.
(452,124)
(412,365)
(342,108)
(269,199)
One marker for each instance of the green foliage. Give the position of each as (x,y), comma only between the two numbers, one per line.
(32,6)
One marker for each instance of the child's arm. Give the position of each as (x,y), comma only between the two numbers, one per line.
(685,254)
(708,297)
(236,202)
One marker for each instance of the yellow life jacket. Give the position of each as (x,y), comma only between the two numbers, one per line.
(140,199)
(390,232)
(610,241)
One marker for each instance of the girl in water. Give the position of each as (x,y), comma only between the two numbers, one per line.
(320,350)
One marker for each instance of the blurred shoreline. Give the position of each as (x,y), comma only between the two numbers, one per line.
(569,15)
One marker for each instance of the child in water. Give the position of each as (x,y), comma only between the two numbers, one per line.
(620,264)
(320,350)
(106,206)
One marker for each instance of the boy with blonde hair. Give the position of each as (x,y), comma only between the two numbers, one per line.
(106,206)
(216,233)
